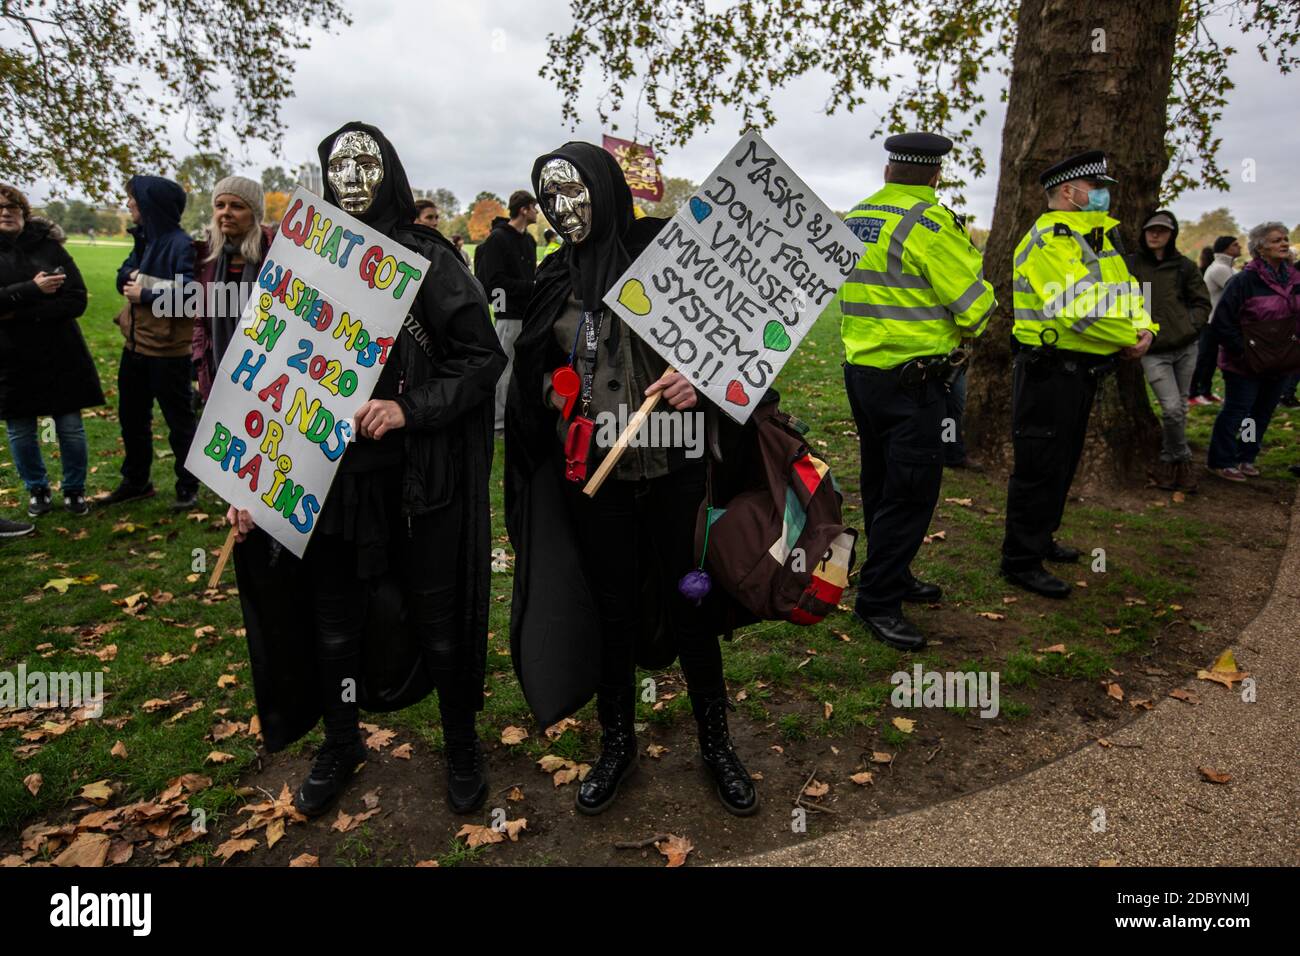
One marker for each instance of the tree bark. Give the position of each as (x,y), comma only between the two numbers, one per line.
(1073,89)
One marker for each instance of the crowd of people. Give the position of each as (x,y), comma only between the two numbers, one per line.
(398,567)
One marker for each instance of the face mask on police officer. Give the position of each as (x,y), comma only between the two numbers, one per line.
(1097,199)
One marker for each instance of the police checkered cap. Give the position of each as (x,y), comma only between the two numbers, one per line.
(923,149)
(1089,165)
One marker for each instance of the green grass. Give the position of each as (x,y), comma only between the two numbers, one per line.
(814,665)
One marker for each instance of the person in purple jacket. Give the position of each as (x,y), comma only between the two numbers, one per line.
(1267,290)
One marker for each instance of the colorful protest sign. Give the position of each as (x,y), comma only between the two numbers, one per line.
(734,281)
(640,168)
(317,331)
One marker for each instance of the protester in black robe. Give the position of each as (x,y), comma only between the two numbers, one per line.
(595,588)
(391,595)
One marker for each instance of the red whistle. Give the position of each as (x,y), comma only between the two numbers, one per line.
(567,385)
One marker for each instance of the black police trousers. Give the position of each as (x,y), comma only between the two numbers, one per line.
(1051,400)
(899,434)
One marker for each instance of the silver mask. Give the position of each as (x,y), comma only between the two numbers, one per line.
(566,201)
(356,168)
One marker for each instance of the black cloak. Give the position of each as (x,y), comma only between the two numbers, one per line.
(554,626)
(448,447)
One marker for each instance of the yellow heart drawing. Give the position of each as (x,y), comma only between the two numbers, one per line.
(632,296)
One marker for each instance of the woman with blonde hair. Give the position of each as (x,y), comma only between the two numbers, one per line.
(228,258)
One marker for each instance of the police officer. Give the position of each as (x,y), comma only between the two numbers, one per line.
(917,292)
(1076,309)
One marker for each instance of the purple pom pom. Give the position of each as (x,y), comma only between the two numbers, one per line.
(694,585)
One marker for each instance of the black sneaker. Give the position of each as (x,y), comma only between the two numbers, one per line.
(39,503)
(15,529)
(333,767)
(125,492)
(76,503)
(185,500)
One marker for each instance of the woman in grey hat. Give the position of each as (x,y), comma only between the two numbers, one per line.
(229,257)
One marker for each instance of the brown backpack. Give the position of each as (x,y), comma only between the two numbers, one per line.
(780,546)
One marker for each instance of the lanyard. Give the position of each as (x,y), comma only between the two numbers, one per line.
(593,345)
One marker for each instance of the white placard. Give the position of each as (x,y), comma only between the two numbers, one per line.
(734,281)
(312,341)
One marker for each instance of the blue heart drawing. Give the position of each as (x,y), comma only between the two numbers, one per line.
(700,209)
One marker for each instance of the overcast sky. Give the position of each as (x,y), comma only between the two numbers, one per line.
(455,86)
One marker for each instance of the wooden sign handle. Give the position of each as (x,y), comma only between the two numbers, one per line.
(620,446)
(222,558)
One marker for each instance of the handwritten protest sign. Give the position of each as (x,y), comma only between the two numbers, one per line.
(734,281)
(317,331)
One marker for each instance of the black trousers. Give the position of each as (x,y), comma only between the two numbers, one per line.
(900,431)
(625,520)
(140,380)
(1050,405)
(429,573)
(1207,359)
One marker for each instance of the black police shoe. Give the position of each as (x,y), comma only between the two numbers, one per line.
(1062,554)
(735,786)
(1039,581)
(893,630)
(333,767)
(467,785)
(923,592)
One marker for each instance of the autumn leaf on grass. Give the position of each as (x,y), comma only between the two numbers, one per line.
(218,757)
(556,730)
(515,795)
(1114,691)
(1223,671)
(227,680)
(879,757)
(380,738)
(98,793)
(1054,649)
(305,859)
(88,849)
(513,735)
(992,616)
(119,750)
(231,847)
(675,848)
(937,536)
(1214,776)
(347,821)
(551,763)
(904,724)
(964,502)
(1186,696)
(403,752)
(476,835)
(33,783)
(59,584)
(655,751)
(816,789)
(827,709)
(863,778)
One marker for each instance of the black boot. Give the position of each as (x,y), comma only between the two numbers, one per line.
(336,761)
(467,785)
(618,756)
(735,786)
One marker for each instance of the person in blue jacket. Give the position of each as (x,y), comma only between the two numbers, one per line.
(156,354)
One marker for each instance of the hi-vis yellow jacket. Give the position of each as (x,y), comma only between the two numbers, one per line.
(1088,297)
(919,288)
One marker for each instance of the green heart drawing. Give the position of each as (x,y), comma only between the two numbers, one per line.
(775,336)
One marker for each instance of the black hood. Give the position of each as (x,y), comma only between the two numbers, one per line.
(161,203)
(598,261)
(1171,250)
(394,205)
(500,222)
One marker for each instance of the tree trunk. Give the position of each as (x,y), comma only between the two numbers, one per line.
(1084,76)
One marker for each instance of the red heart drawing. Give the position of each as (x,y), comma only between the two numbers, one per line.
(736,393)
